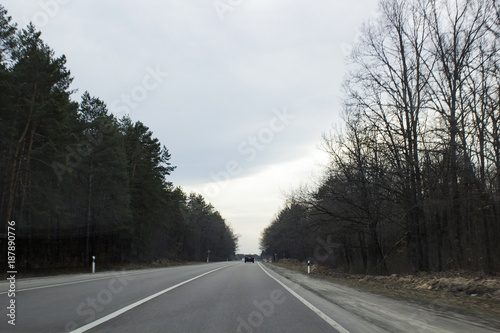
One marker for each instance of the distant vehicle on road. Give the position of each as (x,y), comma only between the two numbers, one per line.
(249,258)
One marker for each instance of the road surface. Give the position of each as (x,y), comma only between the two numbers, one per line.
(215,297)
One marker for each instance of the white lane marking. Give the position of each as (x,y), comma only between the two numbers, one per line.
(74,282)
(119,274)
(323,316)
(80,281)
(136,304)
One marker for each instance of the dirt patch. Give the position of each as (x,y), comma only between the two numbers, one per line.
(466,292)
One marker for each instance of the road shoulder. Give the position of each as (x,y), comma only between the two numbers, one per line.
(373,306)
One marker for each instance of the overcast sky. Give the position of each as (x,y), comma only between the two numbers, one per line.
(239,91)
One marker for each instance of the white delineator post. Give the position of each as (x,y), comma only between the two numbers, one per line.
(309,267)
(93,264)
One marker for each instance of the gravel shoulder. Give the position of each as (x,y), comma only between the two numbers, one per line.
(428,299)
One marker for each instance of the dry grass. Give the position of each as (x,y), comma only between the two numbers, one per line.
(466,292)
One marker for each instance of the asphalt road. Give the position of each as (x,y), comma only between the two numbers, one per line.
(216,297)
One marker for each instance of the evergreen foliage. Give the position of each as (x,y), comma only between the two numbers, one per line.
(79,182)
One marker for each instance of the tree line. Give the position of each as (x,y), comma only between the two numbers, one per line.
(413,181)
(79,182)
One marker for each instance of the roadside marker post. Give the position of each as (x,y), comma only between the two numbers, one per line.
(93,264)
(309,267)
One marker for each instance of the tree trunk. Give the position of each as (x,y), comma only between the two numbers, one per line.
(89,215)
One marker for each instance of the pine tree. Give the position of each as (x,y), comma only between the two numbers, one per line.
(103,181)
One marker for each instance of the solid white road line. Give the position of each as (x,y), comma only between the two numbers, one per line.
(323,316)
(68,283)
(133,305)
(119,274)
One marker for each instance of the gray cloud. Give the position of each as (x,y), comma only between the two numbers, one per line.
(225,77)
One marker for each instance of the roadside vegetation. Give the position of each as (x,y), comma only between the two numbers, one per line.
(413,179)
(466,292)
(79,182)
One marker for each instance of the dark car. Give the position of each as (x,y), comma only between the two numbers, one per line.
(249,258)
